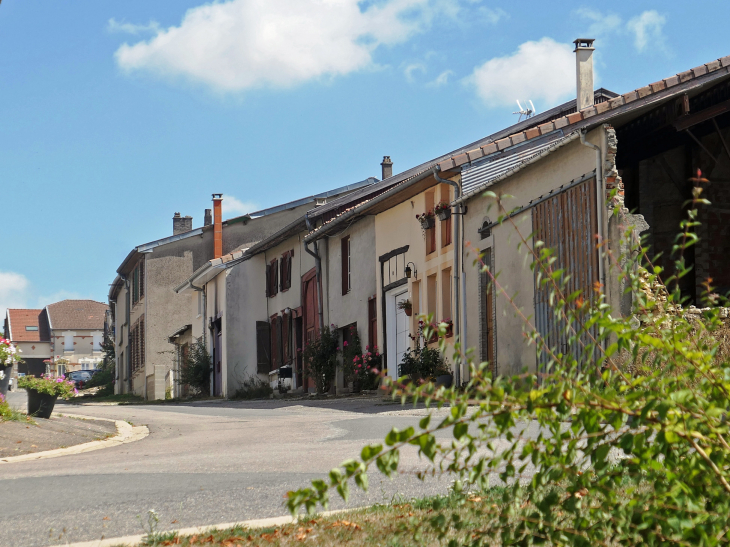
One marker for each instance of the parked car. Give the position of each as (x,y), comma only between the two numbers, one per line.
(79,377)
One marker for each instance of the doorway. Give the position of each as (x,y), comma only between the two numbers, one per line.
(398,330)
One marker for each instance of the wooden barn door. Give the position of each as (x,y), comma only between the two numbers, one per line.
(566,223)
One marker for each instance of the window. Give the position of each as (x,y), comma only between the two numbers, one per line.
(346,278)
(85,366)
(138,282)
(137,344)
(68,342)
(446,228)
(286,260)
(29,328)
(431,295)
(430,232)
(372,322)
(272,278)
(446,294)
(61,370)
(97,340)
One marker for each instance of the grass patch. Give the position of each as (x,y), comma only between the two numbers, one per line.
(375,525)
(10,414)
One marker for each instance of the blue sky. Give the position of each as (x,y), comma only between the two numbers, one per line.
(115,115)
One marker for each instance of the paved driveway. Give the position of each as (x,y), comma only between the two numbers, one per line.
(201,464)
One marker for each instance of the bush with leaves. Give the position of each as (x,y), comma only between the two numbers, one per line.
(196,368)
(350,351)
(641,459)
(320,358)
(423,362)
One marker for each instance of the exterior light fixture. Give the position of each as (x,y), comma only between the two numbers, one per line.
(410,272)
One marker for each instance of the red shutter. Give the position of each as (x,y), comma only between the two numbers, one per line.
(345,252)
(372,322)
(268,281)
(263,347)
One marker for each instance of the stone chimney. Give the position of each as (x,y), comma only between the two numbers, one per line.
(217,226)
(208,218)
(584,71)
(181,224)
(387,166)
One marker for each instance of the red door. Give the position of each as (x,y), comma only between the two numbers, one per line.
(310,303)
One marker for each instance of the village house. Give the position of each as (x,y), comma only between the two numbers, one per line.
(560,167)
(59,338)
(252,293)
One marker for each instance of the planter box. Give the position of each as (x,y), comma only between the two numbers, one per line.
(40,405)
(444,214)
(427,222)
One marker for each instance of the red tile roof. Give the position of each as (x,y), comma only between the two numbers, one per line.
(577,117)
(77,314)
(20,319)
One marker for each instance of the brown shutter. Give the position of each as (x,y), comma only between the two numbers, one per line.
(288,267)
(344,251)
(285,338)
(141,341)
(282,267)
(141,278)
(263,347)
(372,322)
(268,281)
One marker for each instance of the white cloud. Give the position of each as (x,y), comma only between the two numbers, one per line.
(542,70)
(414,67)
(647,28)
(14,288)
(130,28)
(441,79)
(602,24)
(243,44)
(234,206)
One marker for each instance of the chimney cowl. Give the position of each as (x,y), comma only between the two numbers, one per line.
(387,167)
(584,73)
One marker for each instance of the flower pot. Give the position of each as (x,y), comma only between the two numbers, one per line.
(444,214)
(5,370)
(444,380)
(409,311)
(427,222)
(40,405)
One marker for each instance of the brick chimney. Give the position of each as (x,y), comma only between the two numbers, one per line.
(584,71)
(217,226)
(387,166)
(181,224)
(208,218)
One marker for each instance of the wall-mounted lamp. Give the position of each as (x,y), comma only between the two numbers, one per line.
(408,271)
(287,310)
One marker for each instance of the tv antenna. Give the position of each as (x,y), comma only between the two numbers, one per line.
(526,112)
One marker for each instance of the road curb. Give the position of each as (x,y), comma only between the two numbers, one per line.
(126,433)
(134,541)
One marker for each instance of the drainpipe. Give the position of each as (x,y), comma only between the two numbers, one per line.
(600,190)
(205,307)
(459,278)
(318,269)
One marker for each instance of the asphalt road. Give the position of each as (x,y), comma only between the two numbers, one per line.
(201,464)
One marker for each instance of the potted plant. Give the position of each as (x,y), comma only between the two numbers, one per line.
(406,306)
(449,327)
(427,219)
(8,357)
(43,392)
(443,210)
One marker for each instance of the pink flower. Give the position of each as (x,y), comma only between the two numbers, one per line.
(344,343)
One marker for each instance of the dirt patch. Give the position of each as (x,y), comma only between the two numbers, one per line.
(18,438)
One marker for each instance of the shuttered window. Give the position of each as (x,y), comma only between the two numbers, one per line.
(285,270)
(272,278)
(140,266)
(263,347)
(275,342)
(286,338)
(345,248)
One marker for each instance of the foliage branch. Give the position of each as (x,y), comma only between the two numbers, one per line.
(589,453)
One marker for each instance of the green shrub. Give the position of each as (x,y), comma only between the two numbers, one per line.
(253,387)
(320,358)
(195,370)
(615,458)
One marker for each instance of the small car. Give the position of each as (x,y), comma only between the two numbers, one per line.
(79,377)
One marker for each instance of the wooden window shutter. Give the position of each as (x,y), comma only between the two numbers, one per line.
(263,347)
(345,255)
(141,341)
(372,323)
(288,266)
(279,342)
(141,278)
(268,281)
(282,267)
(285,338)
(275,267)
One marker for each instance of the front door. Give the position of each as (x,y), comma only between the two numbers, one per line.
(399,332)
(217,359)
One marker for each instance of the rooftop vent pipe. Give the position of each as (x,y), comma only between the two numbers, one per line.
(584,71)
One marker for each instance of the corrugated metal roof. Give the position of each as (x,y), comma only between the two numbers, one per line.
(480,174)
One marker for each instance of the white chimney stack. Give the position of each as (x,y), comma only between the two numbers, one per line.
(584,71)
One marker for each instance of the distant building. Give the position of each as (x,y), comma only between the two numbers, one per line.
(59,338)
